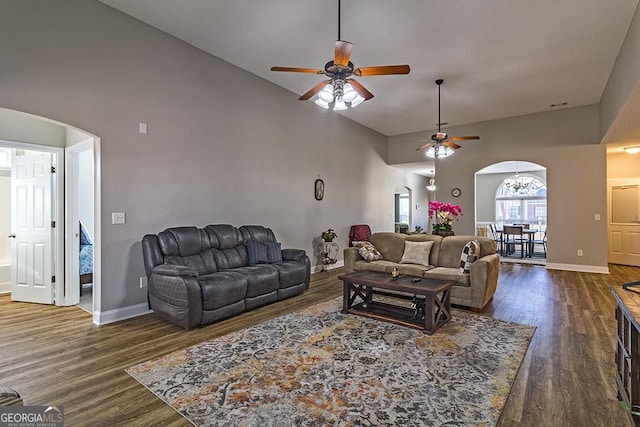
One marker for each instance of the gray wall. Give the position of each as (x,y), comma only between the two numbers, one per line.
(223,146)
(623,79)
(563,141)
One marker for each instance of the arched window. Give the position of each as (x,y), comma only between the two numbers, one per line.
(522,199)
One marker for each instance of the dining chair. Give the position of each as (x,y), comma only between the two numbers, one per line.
(542,242)
(512,235)
(496,235)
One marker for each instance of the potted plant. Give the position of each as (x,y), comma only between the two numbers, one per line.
(328,235)
(443,215)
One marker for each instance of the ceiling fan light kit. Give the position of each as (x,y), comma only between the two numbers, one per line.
(341,92)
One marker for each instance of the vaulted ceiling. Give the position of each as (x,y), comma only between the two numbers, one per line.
(498,58)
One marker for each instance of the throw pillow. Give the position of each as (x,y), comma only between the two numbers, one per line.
(274,252)
(367,251)
(257,253)
(416,253)
(470,254)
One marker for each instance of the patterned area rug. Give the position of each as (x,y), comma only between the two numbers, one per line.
(319,367)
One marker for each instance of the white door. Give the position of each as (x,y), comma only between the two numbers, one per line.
(624,222)
(31,227)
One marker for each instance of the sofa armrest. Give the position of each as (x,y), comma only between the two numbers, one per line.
(351,255)
(293,255)
(484,279)
(175,294)
(174,270)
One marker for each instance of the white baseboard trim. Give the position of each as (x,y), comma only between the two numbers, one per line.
(318,268)
(5,287)
(111,316)
(578,267)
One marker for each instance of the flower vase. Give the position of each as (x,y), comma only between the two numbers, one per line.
(444,233)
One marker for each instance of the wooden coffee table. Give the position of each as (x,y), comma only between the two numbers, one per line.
(433,295)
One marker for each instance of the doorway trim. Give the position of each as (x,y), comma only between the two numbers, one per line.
(71,218)
(57,201)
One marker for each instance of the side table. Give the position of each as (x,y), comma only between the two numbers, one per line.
(329,253)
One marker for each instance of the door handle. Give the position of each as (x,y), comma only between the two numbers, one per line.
(12,236)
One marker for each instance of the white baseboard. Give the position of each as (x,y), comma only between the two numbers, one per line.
(318,268)
(5,287)
(578,267)
(111,316)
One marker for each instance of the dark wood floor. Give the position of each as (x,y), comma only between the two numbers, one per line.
(55,355)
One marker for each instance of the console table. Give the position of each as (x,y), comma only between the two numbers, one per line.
(628,346)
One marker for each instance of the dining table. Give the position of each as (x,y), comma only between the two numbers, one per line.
(529,232)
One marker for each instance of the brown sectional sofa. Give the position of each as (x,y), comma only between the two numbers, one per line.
(473,290)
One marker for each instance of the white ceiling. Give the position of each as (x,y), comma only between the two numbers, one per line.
(498,58)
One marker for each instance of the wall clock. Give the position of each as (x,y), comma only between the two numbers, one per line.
(318,189)
(456,192)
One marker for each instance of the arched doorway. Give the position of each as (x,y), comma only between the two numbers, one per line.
(44,135)
(514,192)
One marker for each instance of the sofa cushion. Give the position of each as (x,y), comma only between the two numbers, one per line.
(416,253)
(261,279)
(257,233)
(256,253)
(381,266)
(367,251)
(413,269)
(222,288)
(448,273)
(223,236)
(451,248)
(469,255)
(290,273)
(390,245)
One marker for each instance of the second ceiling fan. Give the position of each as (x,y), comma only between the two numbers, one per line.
(340,91)
(441,144)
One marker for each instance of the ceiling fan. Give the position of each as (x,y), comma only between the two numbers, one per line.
(441,144)
(341,91)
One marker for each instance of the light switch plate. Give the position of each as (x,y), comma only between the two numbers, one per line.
(117,218)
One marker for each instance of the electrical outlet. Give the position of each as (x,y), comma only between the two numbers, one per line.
(143,282)
(579,252)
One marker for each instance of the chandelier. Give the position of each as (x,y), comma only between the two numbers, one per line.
(519,184)
(432,185)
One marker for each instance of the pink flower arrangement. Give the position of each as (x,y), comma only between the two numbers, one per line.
(443,215)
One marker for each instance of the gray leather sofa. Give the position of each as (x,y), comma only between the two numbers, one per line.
(201,275)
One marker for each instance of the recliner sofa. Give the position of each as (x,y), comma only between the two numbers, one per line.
(201,275)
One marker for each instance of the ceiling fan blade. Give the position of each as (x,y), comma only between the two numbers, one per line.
(298,70)
(451,144)
(427,145)
(382,70)
(342,53)
(362,91)
(317,88)
(463,138)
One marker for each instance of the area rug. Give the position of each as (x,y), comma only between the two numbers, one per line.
(319,367)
